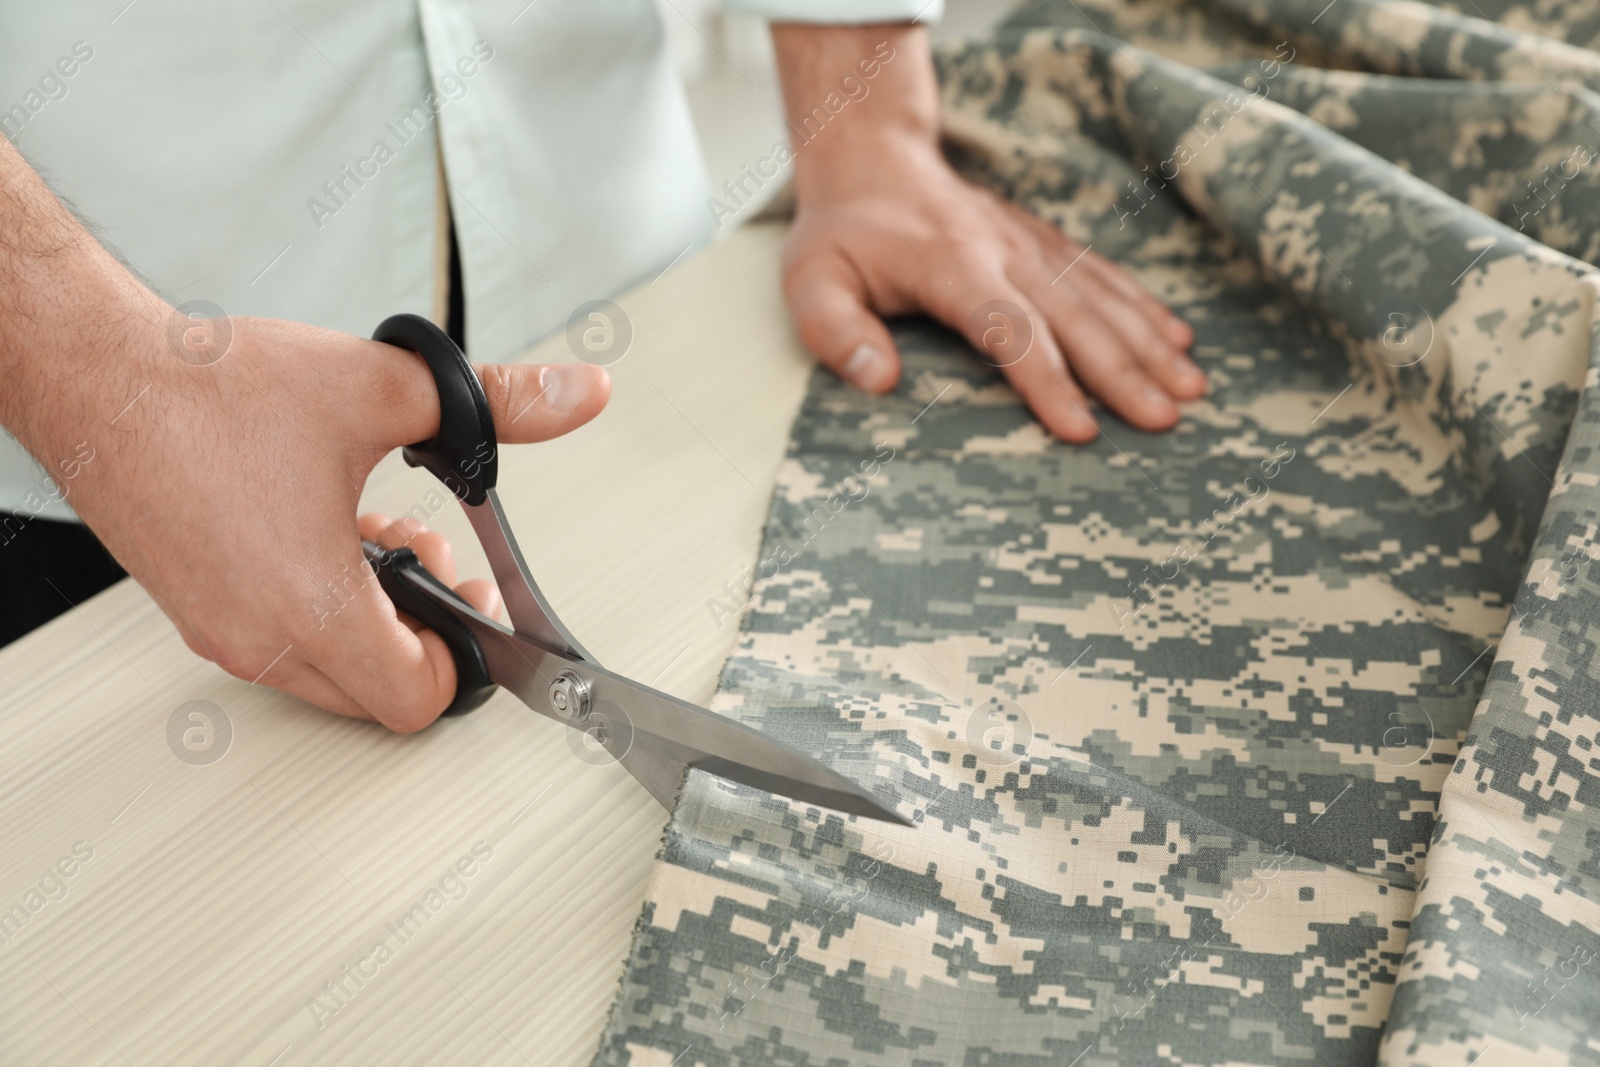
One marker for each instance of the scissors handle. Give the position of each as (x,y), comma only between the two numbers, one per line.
(463,454)
(415,591)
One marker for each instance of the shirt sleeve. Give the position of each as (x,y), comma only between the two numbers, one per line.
(841,10)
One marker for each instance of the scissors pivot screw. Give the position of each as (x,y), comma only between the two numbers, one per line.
(569,695)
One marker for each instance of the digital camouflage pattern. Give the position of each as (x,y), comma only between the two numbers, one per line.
(1267,740)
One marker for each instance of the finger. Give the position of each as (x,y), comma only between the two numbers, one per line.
(536,403)
(998,320)
(305,681)
(286,671)
(1052,392)
(400,677)
(1176,331)
(1166,362)
(377,528)
(371,526)
(829,304)
(483,595)
(1074,256)
(378,663)
(432,549)
(1132,325)
(1106,365)
(435,553)
(529,401)
(1109,346)
(1161,360)
(1151,330)
(1170,363)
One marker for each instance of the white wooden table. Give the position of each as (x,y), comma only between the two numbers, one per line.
(293,902)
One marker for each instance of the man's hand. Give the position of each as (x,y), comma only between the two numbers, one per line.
(884,226)
(229,459)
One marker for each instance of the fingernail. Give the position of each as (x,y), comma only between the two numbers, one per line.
(1190,375)
(1156,397)
(564,386)
(867,367)
(1082,424)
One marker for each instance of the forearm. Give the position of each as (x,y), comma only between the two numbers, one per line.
(852,93)
(68,310)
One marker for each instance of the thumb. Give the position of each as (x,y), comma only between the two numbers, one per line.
(829,305)
(533,402)
(529,401)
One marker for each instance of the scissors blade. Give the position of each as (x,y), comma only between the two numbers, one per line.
(530,613)
(657,737)
(660,764)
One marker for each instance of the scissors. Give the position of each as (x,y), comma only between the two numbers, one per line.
(657,737)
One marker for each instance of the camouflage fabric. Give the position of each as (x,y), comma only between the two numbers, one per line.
(1267,740)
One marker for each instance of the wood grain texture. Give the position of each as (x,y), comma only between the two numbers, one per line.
(217,900)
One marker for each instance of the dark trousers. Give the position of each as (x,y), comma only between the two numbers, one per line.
(47,568)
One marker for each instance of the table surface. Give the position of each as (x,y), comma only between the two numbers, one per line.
(328,892)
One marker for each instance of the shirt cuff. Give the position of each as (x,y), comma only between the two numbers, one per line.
(850,11)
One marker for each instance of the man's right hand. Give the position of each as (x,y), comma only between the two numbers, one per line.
(229,487)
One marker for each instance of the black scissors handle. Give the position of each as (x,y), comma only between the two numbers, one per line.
(415,591)
(463,456)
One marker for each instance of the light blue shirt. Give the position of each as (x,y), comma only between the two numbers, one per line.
(283,158)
